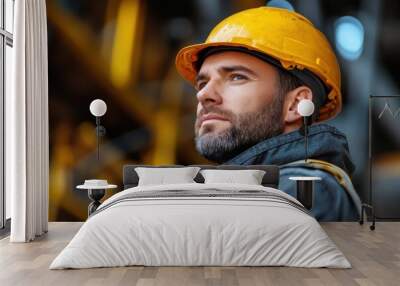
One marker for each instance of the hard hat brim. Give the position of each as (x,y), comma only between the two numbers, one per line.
(188,56)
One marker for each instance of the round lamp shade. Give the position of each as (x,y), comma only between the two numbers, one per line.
(98,107)
(305,107)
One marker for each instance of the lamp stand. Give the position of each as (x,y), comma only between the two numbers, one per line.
(306,122)
(100,132)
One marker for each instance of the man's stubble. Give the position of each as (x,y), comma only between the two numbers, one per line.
(246,130)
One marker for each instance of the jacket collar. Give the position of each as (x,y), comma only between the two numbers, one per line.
(325,143)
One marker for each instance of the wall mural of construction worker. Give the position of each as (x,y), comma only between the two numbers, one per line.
(230,100)
(250,74)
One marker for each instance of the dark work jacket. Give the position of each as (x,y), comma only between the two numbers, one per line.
(332,202)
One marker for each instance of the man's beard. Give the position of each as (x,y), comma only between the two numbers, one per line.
(247,130)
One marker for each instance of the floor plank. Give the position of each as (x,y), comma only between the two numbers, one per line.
(374,255)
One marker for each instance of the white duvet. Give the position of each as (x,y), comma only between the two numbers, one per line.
(200,231)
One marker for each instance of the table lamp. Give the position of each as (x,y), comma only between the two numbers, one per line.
(98,108)
(305,185)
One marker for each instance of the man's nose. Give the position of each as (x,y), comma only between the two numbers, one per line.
(210,94)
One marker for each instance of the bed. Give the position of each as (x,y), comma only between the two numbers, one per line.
(201,224)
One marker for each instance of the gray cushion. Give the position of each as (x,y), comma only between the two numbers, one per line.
(270,179)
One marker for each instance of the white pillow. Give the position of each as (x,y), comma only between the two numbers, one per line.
(162,176)
(249,177)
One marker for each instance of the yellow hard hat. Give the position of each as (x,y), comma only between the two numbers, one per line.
(285,36)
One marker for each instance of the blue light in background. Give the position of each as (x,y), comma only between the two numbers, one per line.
(280,4)
(349,37)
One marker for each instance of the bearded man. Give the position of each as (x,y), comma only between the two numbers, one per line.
(250,75)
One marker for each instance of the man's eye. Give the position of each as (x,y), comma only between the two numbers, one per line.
(200,85)
(236,77)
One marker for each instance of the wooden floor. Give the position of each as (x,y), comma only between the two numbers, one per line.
(374,255)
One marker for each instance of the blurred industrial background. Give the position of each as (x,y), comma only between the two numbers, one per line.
(123,51)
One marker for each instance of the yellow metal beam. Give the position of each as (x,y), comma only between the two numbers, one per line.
(127,35)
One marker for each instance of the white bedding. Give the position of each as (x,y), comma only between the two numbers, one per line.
(183,231)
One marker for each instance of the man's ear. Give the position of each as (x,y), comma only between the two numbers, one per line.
(292,99)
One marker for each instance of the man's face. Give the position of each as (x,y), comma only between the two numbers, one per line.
(238,104)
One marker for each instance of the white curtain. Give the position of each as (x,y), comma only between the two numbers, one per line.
(27,143)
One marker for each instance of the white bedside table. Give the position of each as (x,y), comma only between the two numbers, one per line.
(305,186)
(96,190)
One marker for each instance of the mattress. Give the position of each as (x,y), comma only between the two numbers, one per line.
(201,225)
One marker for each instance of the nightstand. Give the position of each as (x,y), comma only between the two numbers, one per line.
(305,186)
(96,190)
